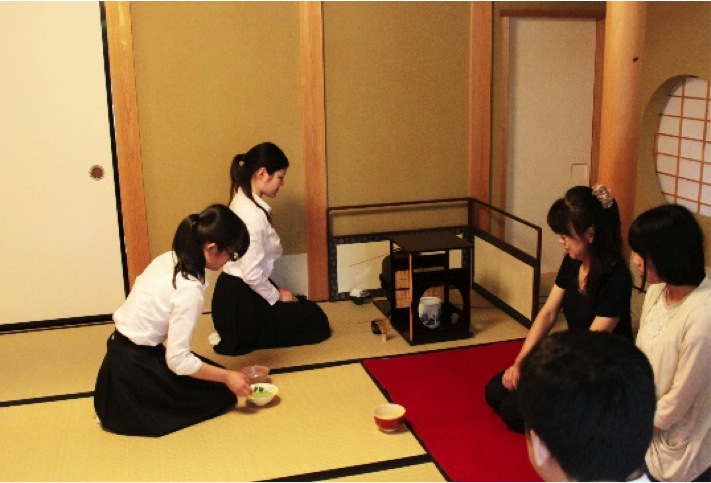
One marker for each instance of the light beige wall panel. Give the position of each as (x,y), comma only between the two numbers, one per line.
(552,74)
(396,100)
(213,79)
(504,276)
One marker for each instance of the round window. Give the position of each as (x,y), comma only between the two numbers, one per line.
(683,146)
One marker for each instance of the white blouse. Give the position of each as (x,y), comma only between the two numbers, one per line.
(256,266)
(658,317)
(155,312)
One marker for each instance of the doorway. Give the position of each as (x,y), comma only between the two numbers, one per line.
(549,140)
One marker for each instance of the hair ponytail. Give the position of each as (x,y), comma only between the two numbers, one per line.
(265,155)
(237,175)
(216,224)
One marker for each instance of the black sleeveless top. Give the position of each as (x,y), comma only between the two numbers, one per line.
(612,299)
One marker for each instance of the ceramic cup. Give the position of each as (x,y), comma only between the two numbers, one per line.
(389,417)
(430,311)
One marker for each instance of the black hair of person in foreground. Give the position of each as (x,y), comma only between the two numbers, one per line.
(588,402)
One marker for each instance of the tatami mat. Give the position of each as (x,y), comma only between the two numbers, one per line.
(422,472)
(353,339)
(65,361)
(51,362)
(321,421)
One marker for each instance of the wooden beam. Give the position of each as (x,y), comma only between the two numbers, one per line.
(505,58)
(128,144)
(313,93)
(480,68)
(597,99)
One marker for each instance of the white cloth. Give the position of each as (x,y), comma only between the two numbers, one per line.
(256,266)
(155,312)
(643,478)
(680,353)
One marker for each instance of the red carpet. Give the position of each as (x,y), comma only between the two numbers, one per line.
(443,393)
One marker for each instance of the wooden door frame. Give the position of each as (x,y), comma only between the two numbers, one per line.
(128,144)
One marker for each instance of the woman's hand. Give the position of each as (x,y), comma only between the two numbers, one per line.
(510,377)
(238,383)
(285,295)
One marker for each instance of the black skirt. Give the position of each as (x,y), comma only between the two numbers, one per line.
(137,394)
(245,321)
(504,403)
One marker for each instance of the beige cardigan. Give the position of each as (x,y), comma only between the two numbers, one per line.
(681,360)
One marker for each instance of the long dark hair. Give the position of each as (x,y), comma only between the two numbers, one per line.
(672,239)
(216,224)
(265,155)
(583,207)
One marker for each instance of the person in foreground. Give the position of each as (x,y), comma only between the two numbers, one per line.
(593,285)
(248,309)
(587,399)
(675,334)
(150,383)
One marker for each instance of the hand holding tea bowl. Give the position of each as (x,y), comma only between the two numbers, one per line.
(262,393)
(389,417)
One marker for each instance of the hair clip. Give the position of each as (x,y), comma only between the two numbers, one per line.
(602,193)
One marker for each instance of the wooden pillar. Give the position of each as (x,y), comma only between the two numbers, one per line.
(128,144)
(480,80)
(313,93)
(621,115)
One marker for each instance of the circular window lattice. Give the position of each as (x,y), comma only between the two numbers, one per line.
(683,146)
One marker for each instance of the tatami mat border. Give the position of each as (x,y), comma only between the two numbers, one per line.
(22,327)
(45,399)
(27,327)
(361,469)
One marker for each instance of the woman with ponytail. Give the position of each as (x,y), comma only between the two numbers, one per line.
(150,383)
(248,309)
(593,286)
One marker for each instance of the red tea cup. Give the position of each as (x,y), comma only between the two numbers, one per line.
(389,417)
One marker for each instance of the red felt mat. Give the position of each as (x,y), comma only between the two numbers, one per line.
(443,394)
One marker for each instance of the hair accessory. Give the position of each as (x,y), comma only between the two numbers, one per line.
(240,160)
(602,193)
(194,218)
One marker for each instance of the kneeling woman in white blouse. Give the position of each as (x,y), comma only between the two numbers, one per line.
(150,383)
(248,309)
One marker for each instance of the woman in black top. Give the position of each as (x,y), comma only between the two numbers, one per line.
(593,285)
